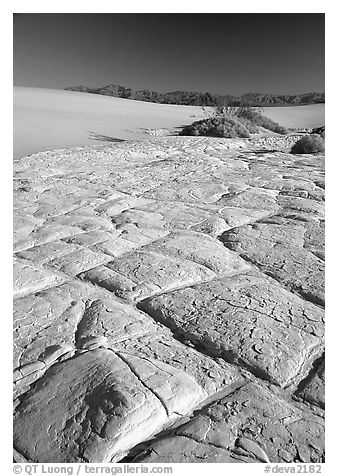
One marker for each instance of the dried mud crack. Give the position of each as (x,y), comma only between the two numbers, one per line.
(169,303)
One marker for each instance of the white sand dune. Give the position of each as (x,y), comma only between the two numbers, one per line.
(47,119)
(297,116)
(50,119)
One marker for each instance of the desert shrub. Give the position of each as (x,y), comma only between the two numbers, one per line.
(217,126)
(247,111)
(230,121)
(226,110)
(319,131)
(309,144)
(219,111)
(252,128)
(254,115)
(234,113)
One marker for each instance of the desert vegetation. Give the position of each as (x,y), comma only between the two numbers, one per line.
(255,116)
(216,127)
(309,144)
(319,131)
(230,121)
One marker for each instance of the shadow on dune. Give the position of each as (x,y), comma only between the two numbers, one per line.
(95,136)
(177,130)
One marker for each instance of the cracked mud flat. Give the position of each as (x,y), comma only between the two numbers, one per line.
(169,304)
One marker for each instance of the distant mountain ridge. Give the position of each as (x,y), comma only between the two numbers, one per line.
(191,98)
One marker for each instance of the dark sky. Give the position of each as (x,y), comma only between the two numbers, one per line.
(221,53)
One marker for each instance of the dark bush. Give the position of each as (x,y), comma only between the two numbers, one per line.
(319,131)
(254,116)
(217,126)
(228,121)
(252,128)
(309,144)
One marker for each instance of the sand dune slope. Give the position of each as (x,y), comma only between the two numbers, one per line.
(299,116)
(47,119)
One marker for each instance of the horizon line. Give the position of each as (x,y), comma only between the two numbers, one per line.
(167,92)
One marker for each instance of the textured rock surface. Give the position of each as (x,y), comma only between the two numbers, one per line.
(95,406)
(251,425)
(169,291)
(29,278)
(286,250)
(247,320)
(313,389)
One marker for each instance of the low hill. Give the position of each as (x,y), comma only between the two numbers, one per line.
(192,98)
